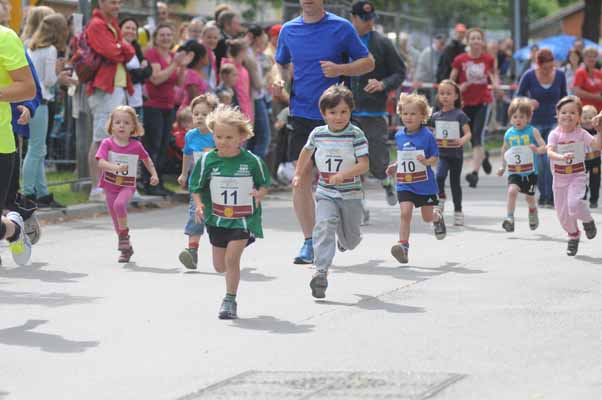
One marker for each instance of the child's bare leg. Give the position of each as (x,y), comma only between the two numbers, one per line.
(194,239)
(406,209)
(232,258)
(511,199)
(429,214)
(531,202)
(219,259)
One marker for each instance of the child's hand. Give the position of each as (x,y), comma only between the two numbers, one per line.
(597,122)
(154,180)
(182,181)
(533,148)
(336,179)
(421,159)
(199,213)
(296,181)
(258,195)
(391,169)
(500,171)
(123,168)
(568,156)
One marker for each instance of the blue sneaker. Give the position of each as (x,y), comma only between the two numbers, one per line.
(306,255)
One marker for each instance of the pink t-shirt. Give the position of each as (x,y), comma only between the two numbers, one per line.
(243,88)
(110,151)
(161,96)
(192,78)
(579,135)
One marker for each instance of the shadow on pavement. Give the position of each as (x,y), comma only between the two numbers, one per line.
(35,271)
(22,335)
(539,237)
(271,324)
(592,260)
(132,266)
(247,274)
(3,394)
(406,272)
(47,299)
(374,303)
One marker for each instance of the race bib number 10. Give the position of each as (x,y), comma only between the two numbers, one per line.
(409,169)
(447,133)
(519,160)
(127,178)
(231,196)
(576,165)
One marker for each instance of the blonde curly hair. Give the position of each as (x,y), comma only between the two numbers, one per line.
(138,128)
(231,116)
(406,99)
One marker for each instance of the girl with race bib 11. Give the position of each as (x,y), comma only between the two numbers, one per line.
(118,157)
(417,153)
(521,140)
(566,149)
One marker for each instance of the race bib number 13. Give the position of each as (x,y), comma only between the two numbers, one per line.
(409,169)
(231,196)
(127,178)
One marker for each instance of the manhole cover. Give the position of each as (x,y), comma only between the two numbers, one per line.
(280,385)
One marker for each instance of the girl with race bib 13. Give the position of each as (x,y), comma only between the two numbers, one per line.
(521,140)
(118,157)
(417,153)
(566,150)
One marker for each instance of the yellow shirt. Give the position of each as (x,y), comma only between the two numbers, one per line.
(12,57)
(121,79)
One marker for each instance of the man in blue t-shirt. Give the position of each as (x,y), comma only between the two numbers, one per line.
(319,45)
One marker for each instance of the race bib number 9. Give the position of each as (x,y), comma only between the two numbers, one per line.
(334,160)
(126,178)
(574,166)
(231,196)
(409,169)
(447,134)
(519,160)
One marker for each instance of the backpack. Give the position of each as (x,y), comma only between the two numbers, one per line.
(86,61)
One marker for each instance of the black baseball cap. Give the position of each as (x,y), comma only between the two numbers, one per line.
(364,10)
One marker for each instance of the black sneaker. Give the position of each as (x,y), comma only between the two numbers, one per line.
(189,258)
(49,202)
(400,252)
(228,310)
(472,179)
(486,164)
(541,202)
(340,247)
(593,204)
(590,229)
(391,195)
(439,228)
(318,285)
(572,247)
(508,224)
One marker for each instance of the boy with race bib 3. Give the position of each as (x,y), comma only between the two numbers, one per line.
(567,145)
(228,185)
(118,157)
(341,156)
(417,153)
(521,140)
(197,141)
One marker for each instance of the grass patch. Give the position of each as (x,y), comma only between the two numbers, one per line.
(63,193)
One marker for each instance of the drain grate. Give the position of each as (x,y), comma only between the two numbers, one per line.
(332,385)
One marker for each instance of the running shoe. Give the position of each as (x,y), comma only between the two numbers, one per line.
(20,248)
(508,224)
(400,252)
(486,164)
(550,204)
(573,247)
(391,194)
(590,229)
(533,220)
(228,310)
(318,285)
(124,241)
(306,255)
(189,258)
(593,204)
(473,179)
(32,229)
(458,218)
(48,201)
(541,202)
(125,255)
(439,228)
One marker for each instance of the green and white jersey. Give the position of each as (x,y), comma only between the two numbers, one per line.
(225,185)
(336,152)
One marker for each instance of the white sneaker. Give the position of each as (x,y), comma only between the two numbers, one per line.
(20,248)
(458,218)
(136,196)
(32,229)
(97,195)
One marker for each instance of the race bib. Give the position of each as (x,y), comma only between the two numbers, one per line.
(231,196)
(409,169)
(519,160)
(574,166)
(127,178)
(334,160)
(447,134)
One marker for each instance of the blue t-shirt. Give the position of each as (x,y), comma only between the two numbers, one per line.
(530,87)
(421,140)
(524,137)
(304,45)
(197,142)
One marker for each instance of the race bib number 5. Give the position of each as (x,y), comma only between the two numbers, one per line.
(334,160)
(574,166)
(409,169)
(126,178)
(231,196)
(519,160)
(447,133)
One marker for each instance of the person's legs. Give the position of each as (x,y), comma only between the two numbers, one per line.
(324,241)
(7,161)
(262,129)
(219,259)
(577,207)
(34,175)
(477,115)
(168,118)
(512,194)
(152,139)
(443,167)
(568,222)
(348,230)
(232,261)
(375,129)
(455,173)
(594,181)
(121,207)
(110,197)
(406,208)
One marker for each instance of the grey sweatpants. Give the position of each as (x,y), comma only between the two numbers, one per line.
(335,216)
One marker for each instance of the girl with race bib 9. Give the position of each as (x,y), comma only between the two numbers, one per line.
(118,157)
(566,150)
(521,140)
(198,141)
(417,153)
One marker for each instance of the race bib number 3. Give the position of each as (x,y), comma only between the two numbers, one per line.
(519,160)
(231,196)
(127,178)
(334,160)
(574,166)
(409,169)
(447,134)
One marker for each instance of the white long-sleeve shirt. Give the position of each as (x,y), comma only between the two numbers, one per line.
(44,61)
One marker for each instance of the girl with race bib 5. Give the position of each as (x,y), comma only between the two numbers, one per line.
(118,157)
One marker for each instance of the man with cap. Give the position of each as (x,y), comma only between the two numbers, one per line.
(370,92)
(323,48)
(454,48)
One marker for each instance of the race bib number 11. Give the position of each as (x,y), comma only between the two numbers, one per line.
(231,196)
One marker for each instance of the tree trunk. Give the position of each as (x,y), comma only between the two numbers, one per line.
(591,20)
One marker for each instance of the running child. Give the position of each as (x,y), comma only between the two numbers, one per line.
(521,140)
(228,185)
(197,141)
(417,153)
(341,156)
(592,158)
(452,131)
(118,157)
(566,148)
